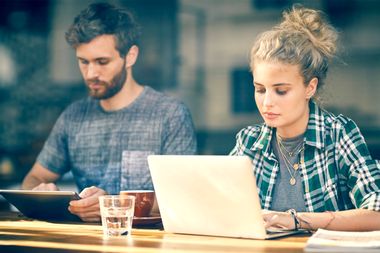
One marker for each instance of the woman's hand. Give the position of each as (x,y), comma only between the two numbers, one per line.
(278,220)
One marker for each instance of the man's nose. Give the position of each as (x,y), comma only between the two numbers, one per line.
(92,71)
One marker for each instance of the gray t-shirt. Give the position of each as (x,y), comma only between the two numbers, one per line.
(109,149)
(287,196)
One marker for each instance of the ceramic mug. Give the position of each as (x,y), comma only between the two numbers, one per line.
(145,202)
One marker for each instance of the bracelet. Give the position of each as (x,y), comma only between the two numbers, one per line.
(331,219)
(293,213)
(307,223)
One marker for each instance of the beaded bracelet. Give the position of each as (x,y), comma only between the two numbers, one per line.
(331,219)
(293,213)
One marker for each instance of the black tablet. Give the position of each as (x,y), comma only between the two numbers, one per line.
(42,205)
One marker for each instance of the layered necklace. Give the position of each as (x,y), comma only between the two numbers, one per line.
(288,155)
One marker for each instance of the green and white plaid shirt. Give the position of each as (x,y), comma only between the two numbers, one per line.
(337,171)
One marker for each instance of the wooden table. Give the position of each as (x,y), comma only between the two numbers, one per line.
(22,235)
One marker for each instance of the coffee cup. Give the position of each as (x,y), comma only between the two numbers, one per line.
(145,203)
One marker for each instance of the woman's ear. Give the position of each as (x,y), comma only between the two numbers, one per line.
(311,88)
(131,56)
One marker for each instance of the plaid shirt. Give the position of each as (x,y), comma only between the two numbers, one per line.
(337,171)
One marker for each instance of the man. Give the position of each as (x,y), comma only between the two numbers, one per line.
(104,139)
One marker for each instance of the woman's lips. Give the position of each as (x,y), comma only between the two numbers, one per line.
(270,115)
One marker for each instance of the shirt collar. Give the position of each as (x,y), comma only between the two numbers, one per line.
(264,139)
(314,132)
(316,127)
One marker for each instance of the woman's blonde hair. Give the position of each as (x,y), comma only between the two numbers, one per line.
(303,38)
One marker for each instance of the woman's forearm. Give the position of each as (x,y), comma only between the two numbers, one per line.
(349,220)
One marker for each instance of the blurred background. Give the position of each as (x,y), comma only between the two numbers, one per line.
(196,50)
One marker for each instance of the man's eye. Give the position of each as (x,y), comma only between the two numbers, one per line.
(103,62)
(83,61)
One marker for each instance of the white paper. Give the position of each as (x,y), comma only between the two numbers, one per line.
(342,241)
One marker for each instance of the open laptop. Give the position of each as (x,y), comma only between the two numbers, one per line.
(209,195)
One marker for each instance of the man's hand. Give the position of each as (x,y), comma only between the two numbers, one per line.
(46,187)
(87,208)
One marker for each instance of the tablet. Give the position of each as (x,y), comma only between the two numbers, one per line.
(42,205)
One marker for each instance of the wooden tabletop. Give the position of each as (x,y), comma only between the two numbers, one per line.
(22,235)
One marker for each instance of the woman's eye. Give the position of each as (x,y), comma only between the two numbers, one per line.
(259,90)
(281,92)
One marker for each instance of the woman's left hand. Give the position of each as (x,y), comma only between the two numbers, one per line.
(278,220)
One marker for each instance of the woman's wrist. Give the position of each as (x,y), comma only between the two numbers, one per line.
(313,221)
(305,223)
(293,215)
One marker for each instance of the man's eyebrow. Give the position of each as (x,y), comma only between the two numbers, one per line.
(96,59)
(82,59)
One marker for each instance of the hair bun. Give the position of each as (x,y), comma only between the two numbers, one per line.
(312,24)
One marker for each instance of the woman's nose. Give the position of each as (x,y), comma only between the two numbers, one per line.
(268,99)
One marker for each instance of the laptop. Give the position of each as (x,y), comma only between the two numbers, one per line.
(42,205)
(209,195)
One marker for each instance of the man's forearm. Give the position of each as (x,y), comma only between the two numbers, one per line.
(38,175)
(30,182)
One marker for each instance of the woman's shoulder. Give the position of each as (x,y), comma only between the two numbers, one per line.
(339,123)
(253,131)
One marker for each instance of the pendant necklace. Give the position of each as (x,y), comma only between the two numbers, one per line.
(288,164)
(292,180)
(298,149)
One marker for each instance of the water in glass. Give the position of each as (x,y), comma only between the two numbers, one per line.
(116,221)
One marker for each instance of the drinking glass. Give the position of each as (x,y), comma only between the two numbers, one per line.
(117,214)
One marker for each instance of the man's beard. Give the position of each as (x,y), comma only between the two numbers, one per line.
(111,88)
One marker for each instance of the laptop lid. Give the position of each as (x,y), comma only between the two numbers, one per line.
(207,195)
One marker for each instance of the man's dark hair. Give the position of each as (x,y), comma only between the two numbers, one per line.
(104,19)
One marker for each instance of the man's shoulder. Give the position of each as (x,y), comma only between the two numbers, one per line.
(78,107)
(160,96)
(162,101)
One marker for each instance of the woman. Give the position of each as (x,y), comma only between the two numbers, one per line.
(313,168)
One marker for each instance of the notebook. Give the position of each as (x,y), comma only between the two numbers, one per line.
(209,195)
(42,205)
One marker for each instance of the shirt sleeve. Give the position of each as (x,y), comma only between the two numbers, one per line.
(53,155)
(363,171)
(237,150)
(179,135)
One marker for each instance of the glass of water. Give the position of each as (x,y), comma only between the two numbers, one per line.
(117,214)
